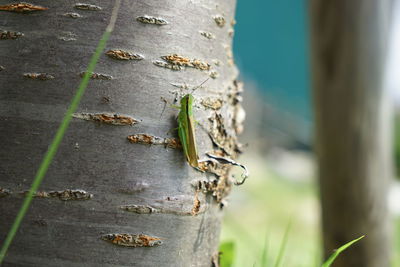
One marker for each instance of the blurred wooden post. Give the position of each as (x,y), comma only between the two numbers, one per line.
(353,126)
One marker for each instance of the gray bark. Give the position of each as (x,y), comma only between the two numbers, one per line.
(353,126)
(97,157)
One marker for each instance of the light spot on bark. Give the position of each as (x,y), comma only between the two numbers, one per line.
(152,20)
(208,35)
(67,194)
(4,192)
(219,20)
(73,15)
(39,76)
(113,119)
(134,187)
(67,36)
(132,240)
(22,7)
(1,68)
(154,140)
(123,55)
(98,76)
(83,6)
(9,35)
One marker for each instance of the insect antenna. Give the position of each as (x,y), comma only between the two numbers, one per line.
(194,89)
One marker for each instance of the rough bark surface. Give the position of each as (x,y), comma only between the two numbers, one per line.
(353,118)
(142,190)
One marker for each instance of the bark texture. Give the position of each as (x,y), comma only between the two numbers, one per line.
(100,183)
(353,132)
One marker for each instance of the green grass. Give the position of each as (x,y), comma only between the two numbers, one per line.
(51,152)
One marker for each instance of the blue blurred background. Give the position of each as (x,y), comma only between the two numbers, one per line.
(271,48)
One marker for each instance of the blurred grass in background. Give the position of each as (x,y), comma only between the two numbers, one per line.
(258,214)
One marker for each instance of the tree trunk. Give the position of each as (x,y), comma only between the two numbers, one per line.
(353,126)
(102,185)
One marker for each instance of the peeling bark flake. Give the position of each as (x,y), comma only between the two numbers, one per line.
(8,35)
(220,20)
(215,259)
(22,7)
(224,160)
(4,192)
(123,55)
(98,76)
(141,209)
(132,240)
(113,119)
(73,15)
(67,194)
(154,140)
(208,35)
(152,20)
(178,60)
(83,6)
(39,76)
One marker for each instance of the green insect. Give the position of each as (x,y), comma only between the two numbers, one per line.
(186,130)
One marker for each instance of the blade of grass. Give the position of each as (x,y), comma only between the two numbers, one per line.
(334,255)
(52,150)
(283,244)
(264,254)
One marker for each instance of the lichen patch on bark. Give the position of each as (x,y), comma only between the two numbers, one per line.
(214,74)
(113,119)
(10,35)
(67,194)
(67,36)
(132,240)
(152,20)
(97,76)
(84,6)
(183,61)
(154,140)
(208,35)
(4,192)
(196,204)
(39,76)
(22,7)
(219,20)
(166,65)
(73,15)
(212,103)
(123,55)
